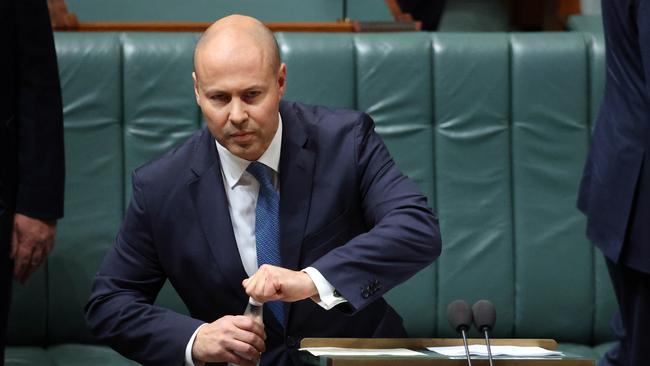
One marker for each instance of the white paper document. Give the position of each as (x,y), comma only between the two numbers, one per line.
(481,350)
(337,351)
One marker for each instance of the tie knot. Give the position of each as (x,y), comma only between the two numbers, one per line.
(260,172)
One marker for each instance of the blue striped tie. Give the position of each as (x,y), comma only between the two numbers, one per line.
(267,227)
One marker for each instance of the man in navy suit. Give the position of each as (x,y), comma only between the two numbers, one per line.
(615,189)
(31,145)
(351,226)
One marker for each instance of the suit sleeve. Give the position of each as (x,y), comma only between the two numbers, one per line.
(643,26)
(403,236)
(40,170)
(120,311)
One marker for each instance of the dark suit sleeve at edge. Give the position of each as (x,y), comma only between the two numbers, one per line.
(40,175)
(404,236)
(120,310)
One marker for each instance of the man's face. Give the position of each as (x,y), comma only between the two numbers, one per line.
(239,94)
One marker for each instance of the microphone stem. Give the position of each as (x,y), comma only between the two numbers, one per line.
(469,360)
(489,348)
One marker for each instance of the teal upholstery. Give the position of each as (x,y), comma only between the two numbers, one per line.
(549,124)
(586,23)
(369,11)
(472,162)
(475,16)
(92,95)
(209,10)
(493,127)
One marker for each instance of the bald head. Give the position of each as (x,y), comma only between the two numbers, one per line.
(239,83)
(237,34)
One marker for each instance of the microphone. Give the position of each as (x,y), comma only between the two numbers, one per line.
(460,318)
(484,318)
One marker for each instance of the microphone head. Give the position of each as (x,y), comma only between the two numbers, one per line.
(459,315)
(484,315)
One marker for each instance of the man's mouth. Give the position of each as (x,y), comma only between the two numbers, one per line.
(242,136)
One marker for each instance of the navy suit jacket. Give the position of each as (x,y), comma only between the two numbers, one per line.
(617,173)
(345,209)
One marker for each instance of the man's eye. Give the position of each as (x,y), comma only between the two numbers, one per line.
(223,98)
(252,94)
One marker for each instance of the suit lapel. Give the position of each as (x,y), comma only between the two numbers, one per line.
(209,197)
(296,176)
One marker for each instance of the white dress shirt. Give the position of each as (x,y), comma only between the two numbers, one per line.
(242,190)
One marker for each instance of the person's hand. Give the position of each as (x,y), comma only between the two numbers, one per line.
(31,241)
(272,283)
(235,339)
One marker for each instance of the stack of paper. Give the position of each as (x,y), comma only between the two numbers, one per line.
(481,350)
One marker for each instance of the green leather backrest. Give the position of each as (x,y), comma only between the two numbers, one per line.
(319,71)
(549,146)
(472,122)
(206,10)
(369,11)
(494,128)
(475,16)
(91,80)
(210,10)
(586,23)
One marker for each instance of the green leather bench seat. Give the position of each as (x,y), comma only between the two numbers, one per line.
(66,354)
(494,128)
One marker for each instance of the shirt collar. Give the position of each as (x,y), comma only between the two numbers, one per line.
(233,166)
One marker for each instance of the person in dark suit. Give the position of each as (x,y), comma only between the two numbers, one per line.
(346,227)
(31,145)
(615,188)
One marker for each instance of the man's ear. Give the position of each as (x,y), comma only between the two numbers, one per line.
(196,87)
(282,79)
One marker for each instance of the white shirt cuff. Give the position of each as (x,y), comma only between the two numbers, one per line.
(329,297)
(188,350)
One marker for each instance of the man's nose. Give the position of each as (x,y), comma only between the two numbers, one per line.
(238,113)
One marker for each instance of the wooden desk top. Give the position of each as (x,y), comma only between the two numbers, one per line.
(431,358)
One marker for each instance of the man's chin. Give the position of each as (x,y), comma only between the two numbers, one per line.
(248,151)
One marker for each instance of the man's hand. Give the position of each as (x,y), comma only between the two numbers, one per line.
(235,339)
(272,283)
(31,241)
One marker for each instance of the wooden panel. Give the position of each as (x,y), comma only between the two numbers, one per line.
(431,358)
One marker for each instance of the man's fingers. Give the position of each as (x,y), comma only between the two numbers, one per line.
(235,359)
(245,350)
(252,328)
(22,263)
(37,255)
(235,339)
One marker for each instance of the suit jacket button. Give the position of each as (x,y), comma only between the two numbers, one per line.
(365,293)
